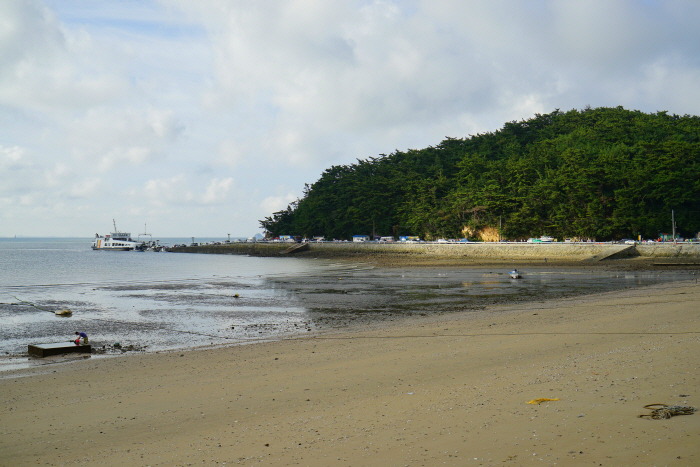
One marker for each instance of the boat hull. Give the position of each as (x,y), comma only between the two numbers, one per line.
(117,241)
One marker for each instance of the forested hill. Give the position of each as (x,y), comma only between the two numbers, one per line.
(604,173)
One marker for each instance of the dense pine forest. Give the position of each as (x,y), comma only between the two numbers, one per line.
(603,173)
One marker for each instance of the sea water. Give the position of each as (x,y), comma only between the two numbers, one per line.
(143,300)
(152,301)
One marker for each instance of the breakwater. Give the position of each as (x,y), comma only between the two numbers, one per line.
(466,252)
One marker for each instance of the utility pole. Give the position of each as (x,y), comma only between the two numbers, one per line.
(673,225)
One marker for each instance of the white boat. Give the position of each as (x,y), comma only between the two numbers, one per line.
(515,274)
(116,241)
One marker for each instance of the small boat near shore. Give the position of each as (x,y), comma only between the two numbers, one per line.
(146,242)
(515,274)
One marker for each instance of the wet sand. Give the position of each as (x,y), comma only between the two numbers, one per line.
(449,389)
(323,296)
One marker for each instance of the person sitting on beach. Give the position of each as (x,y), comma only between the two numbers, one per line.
(83,336)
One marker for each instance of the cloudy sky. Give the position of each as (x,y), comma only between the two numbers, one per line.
(202,117)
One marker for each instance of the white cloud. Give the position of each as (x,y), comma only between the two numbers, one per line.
(18,173)
(272,204)
(58,175)
(217,191)
(42,71)
(183,190)
(11,157)
(123,137)
(87,188)
(163,192)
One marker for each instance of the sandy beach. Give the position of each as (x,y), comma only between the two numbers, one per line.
(446,390)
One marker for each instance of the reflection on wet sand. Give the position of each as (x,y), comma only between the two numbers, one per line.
(154,316)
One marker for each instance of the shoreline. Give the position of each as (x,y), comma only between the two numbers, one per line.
(389,255)
(449,389)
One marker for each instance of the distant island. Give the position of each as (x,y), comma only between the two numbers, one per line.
(598,174)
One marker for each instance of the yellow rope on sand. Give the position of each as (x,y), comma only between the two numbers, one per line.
(540,400)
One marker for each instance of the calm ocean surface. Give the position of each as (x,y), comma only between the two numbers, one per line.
(161,301)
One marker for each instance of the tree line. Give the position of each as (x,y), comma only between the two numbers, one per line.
(603,173)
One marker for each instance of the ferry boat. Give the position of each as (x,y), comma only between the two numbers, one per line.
(116,241)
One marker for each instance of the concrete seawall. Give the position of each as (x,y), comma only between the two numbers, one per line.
(669,250)
(591,252)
